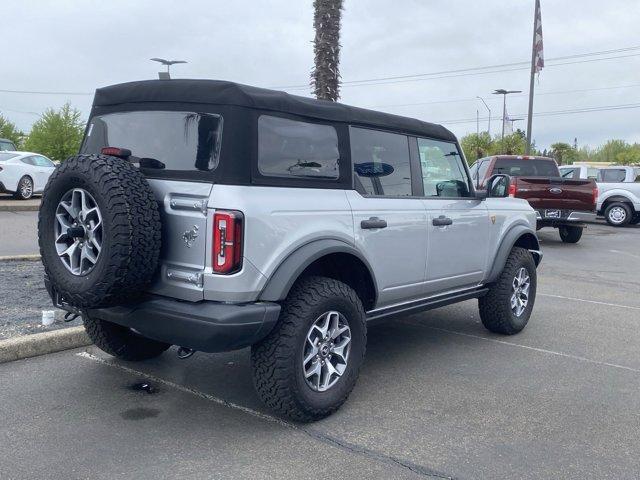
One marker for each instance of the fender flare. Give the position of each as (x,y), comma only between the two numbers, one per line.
(283,278)
(508,242)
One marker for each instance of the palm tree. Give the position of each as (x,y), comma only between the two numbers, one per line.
(325,76)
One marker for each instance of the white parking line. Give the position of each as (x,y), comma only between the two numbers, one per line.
(589,301)
(536,349)
(624,253)
(184,389)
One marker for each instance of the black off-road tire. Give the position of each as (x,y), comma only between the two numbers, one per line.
(495,306)
(277,360)
(19,192)
(625,207)
(570,234)
(121,342)
(130,234)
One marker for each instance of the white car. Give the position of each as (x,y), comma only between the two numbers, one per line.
(24,173)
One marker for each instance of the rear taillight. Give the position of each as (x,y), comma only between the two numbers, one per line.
(513,187)
(227,241)
(595,195)
(116,152)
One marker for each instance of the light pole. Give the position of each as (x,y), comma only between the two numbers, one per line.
(489,110)
(166,75)
(504,94)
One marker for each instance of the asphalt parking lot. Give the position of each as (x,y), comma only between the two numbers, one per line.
(439,396)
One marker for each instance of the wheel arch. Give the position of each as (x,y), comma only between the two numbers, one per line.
(331,258)
(518,236)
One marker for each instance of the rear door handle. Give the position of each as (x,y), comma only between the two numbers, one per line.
(373,222)
(442,221)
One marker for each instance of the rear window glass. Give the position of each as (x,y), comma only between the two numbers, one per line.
(179,140)
(525,167)
(7,156)
(290,148)
(4,145)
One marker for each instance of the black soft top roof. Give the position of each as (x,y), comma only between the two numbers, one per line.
(218,92)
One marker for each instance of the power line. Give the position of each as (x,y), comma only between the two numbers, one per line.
(472,69)
(474,99)
(550,113)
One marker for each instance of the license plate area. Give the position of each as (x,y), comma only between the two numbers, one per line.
(553,213)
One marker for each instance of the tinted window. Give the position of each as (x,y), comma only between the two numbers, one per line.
(526,167)
(27,160)
(568,172)
(482,171)
(40,161)
(381,162)
(443,173)
(612,175)
(7,156)
(289,148)
(180,140)
(7,145)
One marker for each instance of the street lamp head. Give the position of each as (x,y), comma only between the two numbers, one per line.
(502,91)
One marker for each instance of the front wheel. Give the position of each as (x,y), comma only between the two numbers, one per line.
(570,234)
(507,306)
(307,366)
(25,189)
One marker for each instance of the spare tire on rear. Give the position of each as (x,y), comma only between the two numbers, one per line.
(99,231)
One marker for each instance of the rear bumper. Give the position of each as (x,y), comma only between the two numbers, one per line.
(566,218)
(203,326)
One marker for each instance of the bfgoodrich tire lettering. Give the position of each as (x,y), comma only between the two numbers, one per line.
(130,233)
(277,360)
(495,307)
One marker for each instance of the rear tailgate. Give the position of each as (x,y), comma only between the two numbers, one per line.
(556,193)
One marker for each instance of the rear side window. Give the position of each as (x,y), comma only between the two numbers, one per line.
(183,141)
(290,148)
(381,162)
(526,167)
(612,175)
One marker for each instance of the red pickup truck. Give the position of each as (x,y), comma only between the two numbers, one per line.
(561,203)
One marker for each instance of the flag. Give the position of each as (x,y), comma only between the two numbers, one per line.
(538,59)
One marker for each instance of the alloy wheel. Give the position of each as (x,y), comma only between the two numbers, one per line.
(520,292)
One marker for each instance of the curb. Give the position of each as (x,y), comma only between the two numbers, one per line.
(36,344)
(18,258)
(19,208)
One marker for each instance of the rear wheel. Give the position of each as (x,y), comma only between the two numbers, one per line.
(508,305)
(570,234)
(617,214)
(307,366)
(25,189)
(122,342)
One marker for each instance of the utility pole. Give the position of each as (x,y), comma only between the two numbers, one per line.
(489,110)
(504,94)
(477,122)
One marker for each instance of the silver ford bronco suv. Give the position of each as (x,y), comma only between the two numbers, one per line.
(215,216)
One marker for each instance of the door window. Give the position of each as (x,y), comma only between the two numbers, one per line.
(40,161)
(443,172)
(567,172)
(381,162)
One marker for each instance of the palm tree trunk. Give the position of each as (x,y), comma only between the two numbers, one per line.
(325,76)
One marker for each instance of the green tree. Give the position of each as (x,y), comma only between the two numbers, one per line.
(610,150)
(325,76)
(9,131)
(630,156)
(563,153)
(57,134)
(513,144)
(476,145)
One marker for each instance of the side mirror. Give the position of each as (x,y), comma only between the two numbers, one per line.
(498,186)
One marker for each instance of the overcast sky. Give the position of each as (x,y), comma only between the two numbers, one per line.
(77,46)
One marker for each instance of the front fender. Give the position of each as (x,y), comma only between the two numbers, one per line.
(520,234)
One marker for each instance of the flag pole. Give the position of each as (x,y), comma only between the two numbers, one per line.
(532,80)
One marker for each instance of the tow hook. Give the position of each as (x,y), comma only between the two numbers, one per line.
(184,352)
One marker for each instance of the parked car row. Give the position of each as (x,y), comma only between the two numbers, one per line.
(24,173)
